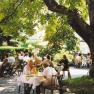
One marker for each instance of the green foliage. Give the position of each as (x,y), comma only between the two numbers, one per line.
(80,5)
(81,81)
(70,3)
(82,85)
(62,52)
(59,33)
(24,16)
(53,25)
(20,15)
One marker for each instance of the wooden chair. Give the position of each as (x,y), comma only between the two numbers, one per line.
(54,86)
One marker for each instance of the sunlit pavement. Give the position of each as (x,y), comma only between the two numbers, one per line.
(76,72)
(9,86)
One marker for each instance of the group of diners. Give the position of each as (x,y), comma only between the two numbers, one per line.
(36,71)
(11,63)
(33,78)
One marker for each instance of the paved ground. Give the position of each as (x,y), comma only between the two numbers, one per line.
(76,72)
(9,86)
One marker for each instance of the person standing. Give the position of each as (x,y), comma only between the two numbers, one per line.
(65,64)
(89,60)
(78,60)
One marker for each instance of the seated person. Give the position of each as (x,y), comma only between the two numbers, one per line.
(48,61)
(37,62)
(29,68)
(48,72)
(6,67)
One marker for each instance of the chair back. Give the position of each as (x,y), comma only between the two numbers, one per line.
(54,80)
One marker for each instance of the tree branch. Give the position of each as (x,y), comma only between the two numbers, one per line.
(74,19)
(53,6)
(15,6)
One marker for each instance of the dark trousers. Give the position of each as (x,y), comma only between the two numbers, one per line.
(60,84)
(38,89)
(27,88)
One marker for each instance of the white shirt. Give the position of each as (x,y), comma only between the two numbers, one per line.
(25,70)
(26,58)
(21,57)
(11,59)
(78,59)
(49,71)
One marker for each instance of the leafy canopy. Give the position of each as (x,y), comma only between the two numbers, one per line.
(18,16)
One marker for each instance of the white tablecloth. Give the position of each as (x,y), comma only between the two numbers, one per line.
(34,80)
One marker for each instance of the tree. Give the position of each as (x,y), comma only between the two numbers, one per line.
(22,16)
(59,33)
(7,11)
(18,16)
(75,19)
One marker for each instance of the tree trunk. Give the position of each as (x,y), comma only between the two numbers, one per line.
(1,37)
(75,20)
(91,46)
(91,71)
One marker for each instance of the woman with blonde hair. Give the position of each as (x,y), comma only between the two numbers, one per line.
(29,68)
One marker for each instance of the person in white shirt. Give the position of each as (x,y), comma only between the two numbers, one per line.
(78,60)
(21,56)
(11,60)
(29,83)
(26,58)
(84,62)
(48,72)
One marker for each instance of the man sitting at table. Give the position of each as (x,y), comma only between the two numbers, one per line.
(48,72)
(48,61)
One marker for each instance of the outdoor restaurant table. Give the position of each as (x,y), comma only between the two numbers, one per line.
(34,79)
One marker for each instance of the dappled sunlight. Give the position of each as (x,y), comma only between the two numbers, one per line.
(8,85)
(2,88)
